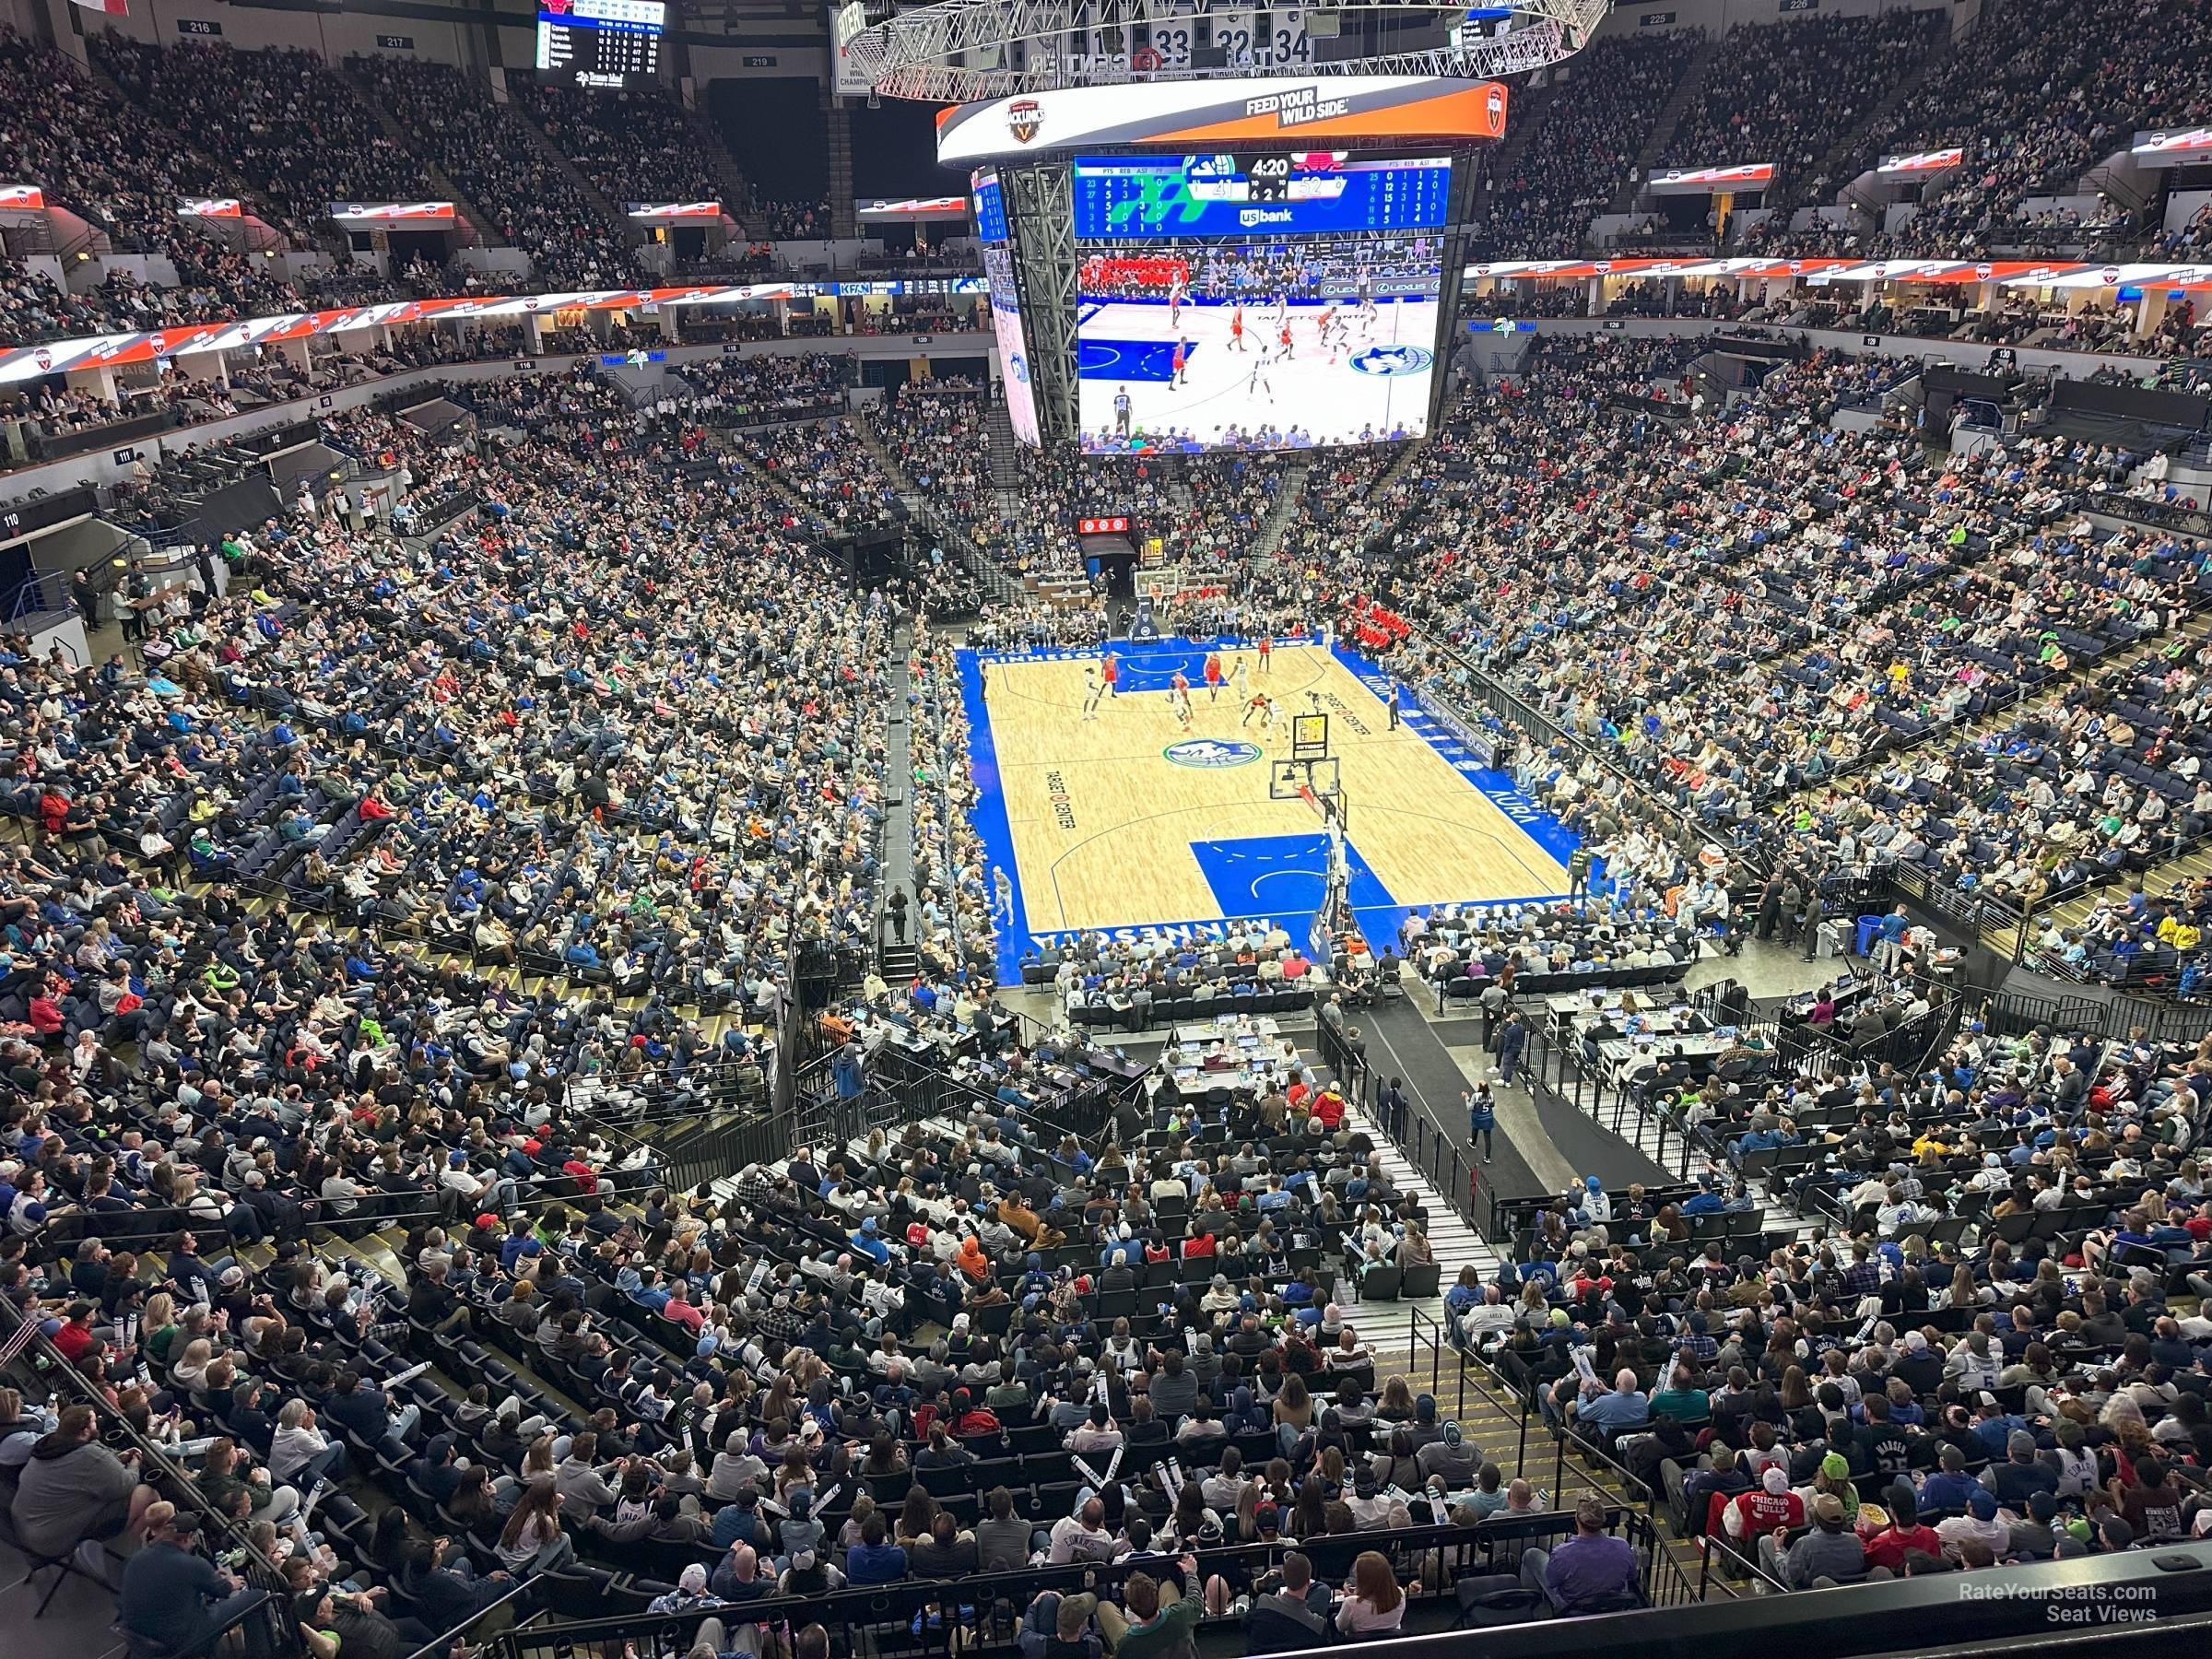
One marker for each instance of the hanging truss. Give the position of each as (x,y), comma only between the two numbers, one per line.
(958,51)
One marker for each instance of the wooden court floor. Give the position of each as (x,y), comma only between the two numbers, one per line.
(1104,822)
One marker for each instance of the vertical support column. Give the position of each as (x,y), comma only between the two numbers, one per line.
(1041,221)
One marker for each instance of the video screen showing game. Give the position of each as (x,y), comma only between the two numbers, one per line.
(1288,343)
(1283,300)
(1005,308)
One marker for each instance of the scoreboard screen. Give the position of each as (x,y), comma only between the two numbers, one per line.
(1280,194)
(599,42)
(990,210)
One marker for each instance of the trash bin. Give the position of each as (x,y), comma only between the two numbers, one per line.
(1870,928)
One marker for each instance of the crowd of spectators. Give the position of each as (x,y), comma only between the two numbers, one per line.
(99,157)
(638,145)
(955,930)
(796,221)
(826,466)
(2037,95)
(1786,94)
(1895,1399)
(528,201)
(281,119)
(1583,151)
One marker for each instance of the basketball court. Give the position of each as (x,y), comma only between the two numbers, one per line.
(1127,822)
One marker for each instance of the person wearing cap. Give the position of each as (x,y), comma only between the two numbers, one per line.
(1767,1508)
(1370,1508)
(2034,1529)
(173,1598)
(1829,1550)
(2021,1473)
(1947,1490)
(1450,1460)
(690,1593)
(1904,1536)
(1978,1525)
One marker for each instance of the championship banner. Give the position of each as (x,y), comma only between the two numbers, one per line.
(674,213)
(1711,181)
(847,24)
(1921,162)
(1211,113)
(393,216)
(191,208)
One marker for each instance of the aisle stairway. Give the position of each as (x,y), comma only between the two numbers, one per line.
(1688,91)
(1006,456)
(865,432)
(485,225)
(1284,508)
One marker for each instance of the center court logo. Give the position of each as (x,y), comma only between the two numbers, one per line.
(1392,359)
(1210,752)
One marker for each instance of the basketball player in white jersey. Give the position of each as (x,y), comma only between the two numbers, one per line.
(1092,692)
(1259,381)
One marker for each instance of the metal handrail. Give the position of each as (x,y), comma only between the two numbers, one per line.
(180,1484)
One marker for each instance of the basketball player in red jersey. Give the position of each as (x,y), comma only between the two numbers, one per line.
(1236,329)
(1110,671)
(1267,645)
(1286,339)
(1182,357)
(1213,677)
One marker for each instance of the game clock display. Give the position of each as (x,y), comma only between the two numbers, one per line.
(608,44)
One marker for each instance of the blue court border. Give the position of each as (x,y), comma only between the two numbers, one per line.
(1147,665)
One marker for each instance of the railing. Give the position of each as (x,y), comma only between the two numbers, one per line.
(1725,1566)
(977,1612)
(1450,1168)
(276,1632)
(38,594)
(1667,1582)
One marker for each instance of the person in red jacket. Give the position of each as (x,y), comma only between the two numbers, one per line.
(1329,1107)
(1765,1508)
(1903,1536)
(46,1013)
(75,1339)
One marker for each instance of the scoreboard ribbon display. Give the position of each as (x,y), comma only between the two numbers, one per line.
(1314,193)
(1212,113)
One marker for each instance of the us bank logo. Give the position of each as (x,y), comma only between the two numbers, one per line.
(1211,753)
(1392,359)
